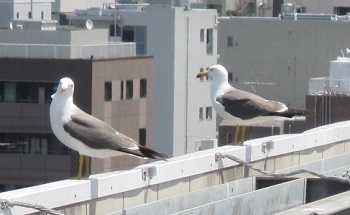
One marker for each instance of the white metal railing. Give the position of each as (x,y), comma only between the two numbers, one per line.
(178,170)
(326,85)
(98,51)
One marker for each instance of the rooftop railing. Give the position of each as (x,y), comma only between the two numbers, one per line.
(324,150)
(326,85)
(99,51)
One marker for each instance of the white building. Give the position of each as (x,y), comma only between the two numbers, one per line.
(183,42)
(24,9)
(275,58)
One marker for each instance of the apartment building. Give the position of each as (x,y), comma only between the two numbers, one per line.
(112,83)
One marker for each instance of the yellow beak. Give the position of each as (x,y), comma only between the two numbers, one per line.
(202,74)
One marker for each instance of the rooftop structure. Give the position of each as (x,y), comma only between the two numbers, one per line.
(24,9)
(330,96)
(220,180)
(31,41)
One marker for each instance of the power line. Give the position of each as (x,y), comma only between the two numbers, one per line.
(279,175)
(4,203)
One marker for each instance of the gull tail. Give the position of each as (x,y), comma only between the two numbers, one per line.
(149,153)
(144,152)
(290,112)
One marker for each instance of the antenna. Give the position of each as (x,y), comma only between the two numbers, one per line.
(89,24)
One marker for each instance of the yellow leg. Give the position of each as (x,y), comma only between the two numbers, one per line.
(87,166)
(80,171)
(243,134)
(235,140)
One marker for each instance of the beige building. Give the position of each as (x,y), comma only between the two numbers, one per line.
(117,91)
(112,83)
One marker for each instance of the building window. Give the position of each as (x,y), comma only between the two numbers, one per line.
(208,113)
(17,15)
(210,41)
(142,136)
(26,92)
(143,88)
(201,113)
(108,91)
(303,10)
(128,34)
(129,89)
(122,90)
(201,78)
(202,35)
(29,15)
(114,30)
(229,41)
(207,77)
(42,14)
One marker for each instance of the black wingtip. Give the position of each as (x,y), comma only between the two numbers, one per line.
(294,112)
(149,153)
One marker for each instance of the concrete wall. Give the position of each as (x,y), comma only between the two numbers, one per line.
(276,58)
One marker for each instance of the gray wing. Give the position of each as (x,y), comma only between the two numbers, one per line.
(246,105)
(97,134)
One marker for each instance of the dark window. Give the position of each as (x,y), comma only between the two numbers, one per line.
(202,35)
(209,41)
(143,88)
(200,113)
(121,90)
(42,14)
(208,113)
(142,136)
(229,41)
(201,70)
(207,77)
(26,92)
(29,15)
(129,89)
(108,91)
(340,10)
(114,30)
(128,34)
(29,143)
(17,15)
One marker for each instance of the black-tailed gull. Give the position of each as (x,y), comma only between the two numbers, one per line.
(244,107)
(87,134)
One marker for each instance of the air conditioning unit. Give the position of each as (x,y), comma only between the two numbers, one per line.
(206,144)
